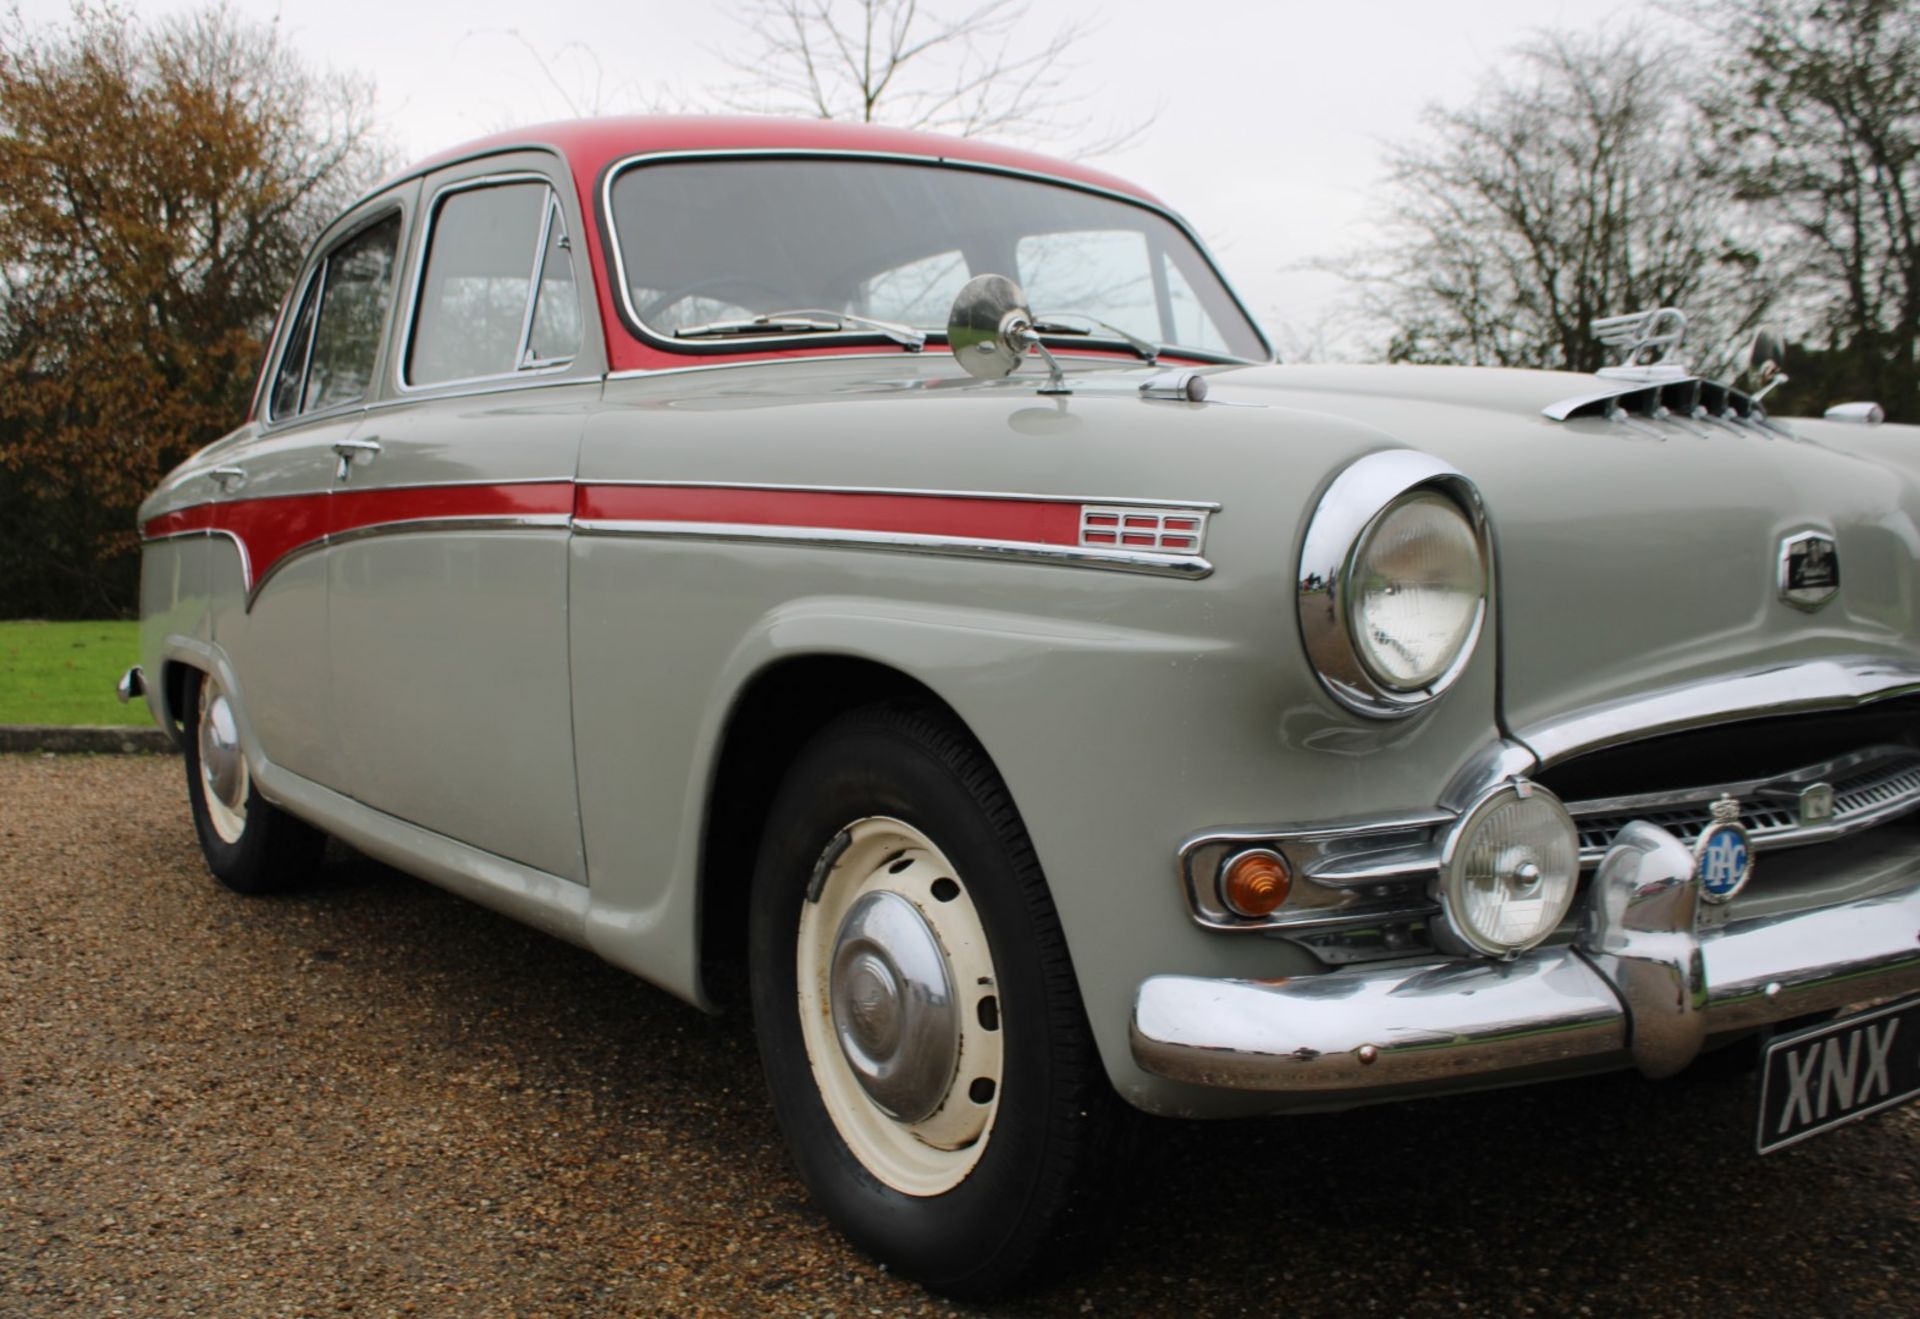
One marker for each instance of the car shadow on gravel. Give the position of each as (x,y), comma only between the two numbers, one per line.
(1608,1194)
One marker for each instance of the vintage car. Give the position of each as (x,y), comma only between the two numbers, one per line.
(897,564)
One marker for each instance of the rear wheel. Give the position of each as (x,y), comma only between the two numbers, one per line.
(928,1057)
(250,845)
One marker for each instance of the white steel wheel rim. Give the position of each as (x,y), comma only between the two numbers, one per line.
(890,867)
(224,779)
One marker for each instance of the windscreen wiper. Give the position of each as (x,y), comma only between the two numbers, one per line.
(1052,324)
(806,320)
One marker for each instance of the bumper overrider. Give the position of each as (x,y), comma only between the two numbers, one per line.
(1642,984)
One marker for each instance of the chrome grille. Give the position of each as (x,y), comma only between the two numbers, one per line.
(1868,788)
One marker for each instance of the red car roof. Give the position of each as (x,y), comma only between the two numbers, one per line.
(590,145)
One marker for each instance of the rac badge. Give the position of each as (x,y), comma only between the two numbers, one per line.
(1723,858)
(1809,570)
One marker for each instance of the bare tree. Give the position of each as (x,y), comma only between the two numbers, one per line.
(1815,114)
(1566,191)
(970,71)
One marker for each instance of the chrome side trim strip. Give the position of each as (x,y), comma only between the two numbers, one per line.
(210,533)
(454,485)
(488,387)
(294,555)
(1780,690)
(1188,566)
(410,526)
(1203,506)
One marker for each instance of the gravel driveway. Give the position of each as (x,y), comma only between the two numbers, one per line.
(374,1097)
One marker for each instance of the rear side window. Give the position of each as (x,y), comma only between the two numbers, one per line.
(497,292)
(332,349)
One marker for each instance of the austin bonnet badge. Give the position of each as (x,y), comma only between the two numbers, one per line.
(1809,570)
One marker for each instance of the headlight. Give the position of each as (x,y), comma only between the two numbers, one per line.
(1393,582)
(1418,583)
(1509,871)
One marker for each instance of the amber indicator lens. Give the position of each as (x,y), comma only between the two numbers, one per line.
(1255,883)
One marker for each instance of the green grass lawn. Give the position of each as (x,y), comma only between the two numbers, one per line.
(63,673)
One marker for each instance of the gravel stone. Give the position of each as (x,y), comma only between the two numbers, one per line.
(373,1098)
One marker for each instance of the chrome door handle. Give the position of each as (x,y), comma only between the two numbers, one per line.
(228,478)
(351,452)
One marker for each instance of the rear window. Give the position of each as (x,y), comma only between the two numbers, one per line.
(334,345)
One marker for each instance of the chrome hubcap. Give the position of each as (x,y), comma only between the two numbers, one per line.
(223,766)
(893,1006)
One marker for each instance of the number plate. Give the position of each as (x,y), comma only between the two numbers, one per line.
(1817,1079)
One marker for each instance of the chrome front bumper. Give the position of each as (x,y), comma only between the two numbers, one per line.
(1641,986)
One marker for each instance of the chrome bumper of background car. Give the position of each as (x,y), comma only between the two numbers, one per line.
(1641,985)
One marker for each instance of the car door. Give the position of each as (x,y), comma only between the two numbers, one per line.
(272,490)
(448,561)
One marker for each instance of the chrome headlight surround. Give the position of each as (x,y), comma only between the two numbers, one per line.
(1357,500)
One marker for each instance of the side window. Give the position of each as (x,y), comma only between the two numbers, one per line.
(353,308)
(497,294)
(330,352)
(285,401)
(555,334)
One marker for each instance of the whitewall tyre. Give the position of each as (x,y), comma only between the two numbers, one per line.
(927,1054)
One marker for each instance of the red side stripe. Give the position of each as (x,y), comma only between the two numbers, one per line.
(274,527)
(1029,521)
(354,509)
(271,528)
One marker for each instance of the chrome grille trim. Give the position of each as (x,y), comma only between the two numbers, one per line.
(1807,687)
(1869,788)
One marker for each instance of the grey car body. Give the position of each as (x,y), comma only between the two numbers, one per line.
(572,708)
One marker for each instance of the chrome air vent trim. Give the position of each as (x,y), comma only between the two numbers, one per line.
(1692,404)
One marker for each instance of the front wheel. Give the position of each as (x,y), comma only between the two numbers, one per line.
(250,845)
(928,1057)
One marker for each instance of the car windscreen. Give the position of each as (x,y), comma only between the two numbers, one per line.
(706,242)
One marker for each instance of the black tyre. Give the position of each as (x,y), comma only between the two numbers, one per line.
(924,1042)
(251,845)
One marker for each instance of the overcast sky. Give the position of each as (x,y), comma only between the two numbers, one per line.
(1270,113)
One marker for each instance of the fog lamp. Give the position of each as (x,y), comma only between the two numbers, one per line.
(1509,872)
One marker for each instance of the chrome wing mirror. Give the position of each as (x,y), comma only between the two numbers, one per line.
(1766,358)
(991,330)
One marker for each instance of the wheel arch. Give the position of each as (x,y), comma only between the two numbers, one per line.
(174,676)
(773,716)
